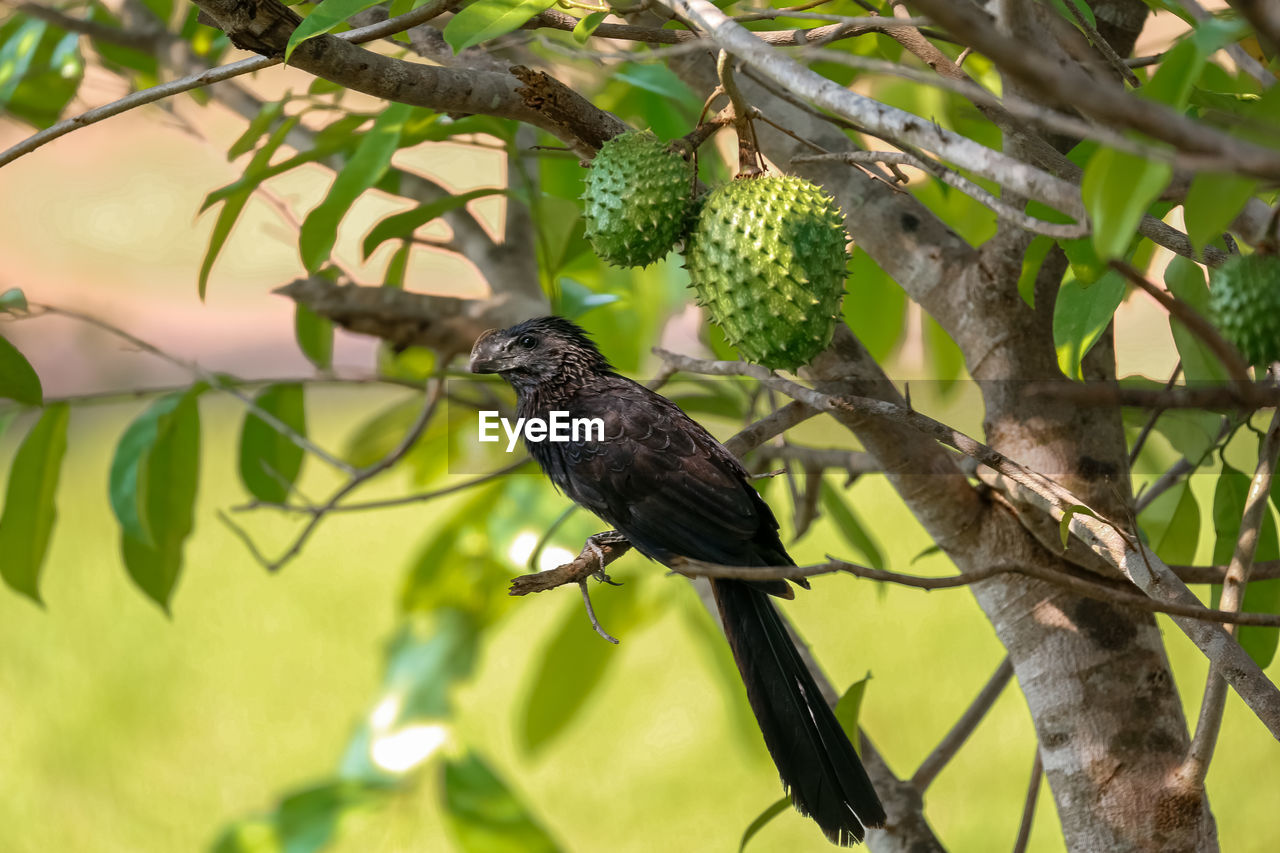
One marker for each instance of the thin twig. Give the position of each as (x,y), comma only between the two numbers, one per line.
(386,503)
(1251,395)
(1105,538)
(952,178)
(1200,753)
(1097,589)
(1241,57)
(1104,47)
(214,381)
(432,400)
(954,739)
(1029,805)
(1237,368)
(1155,416)
(205,78)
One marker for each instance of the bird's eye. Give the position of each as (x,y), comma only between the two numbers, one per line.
(527,341)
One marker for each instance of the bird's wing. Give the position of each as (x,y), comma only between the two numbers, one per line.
(666,483)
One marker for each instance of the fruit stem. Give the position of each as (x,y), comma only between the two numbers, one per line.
(750,163)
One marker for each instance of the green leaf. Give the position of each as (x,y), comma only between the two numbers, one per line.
(402,225)
(946,361)
(314,335)
(1031,263)
(235,196)
(1117,189)
(483,813)
(849,706)
(849,526)
(18,379)
(875,307)
(269,461)
(1213,202)
(762,820)
(1179,69)
(1185,280)
(1192,433)
(371,160)
(306,821)
(1064,526)
(485,20)
(1080,5)
(585,27)
(257,126)
(124,485)
(29,511)
(327,15)
(1080,317)
(13,300)
(1228,506)
(1172,524)
(577,299)
(572,666)
(153,489)
(40,70)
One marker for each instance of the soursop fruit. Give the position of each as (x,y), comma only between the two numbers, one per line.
(1245,303)
(767,259)
(637,199)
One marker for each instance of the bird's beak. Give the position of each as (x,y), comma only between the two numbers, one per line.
(485,357)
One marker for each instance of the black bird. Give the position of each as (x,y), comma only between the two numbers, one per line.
(672,490)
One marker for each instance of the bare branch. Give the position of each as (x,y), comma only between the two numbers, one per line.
(1200,754)
(1103,99)
(213,75)
(1121,550)
(959,733)
(1238,54)
(1029,805)
(952,178)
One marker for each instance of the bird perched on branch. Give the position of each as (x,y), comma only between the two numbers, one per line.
(673,491)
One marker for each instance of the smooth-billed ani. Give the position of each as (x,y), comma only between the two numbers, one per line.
(672,490)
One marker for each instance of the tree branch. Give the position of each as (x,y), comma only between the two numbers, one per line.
(1119,549)
(1213,704)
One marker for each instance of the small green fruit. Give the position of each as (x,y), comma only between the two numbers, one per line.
(637,199)
(767,258)
(1245,303)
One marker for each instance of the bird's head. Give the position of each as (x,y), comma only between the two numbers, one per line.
(543,350)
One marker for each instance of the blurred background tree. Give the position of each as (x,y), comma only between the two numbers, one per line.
(1012,174)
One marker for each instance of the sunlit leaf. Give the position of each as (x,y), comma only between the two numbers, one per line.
(1081,315)
(236,196)
(257,127)
(849,707)
(402,225)
(269,460)
(18,379)
(483,814)
(485,20)
(369,162)
(40,70)
(585,27)
(1179,69)
(29,511)
(1214,200)
(1064,526)
(324,17)
(1117,189)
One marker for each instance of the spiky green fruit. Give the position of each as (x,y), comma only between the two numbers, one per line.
(1245,303)
(637,199)
(767,258)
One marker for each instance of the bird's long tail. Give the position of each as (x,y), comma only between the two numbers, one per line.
(818,765)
